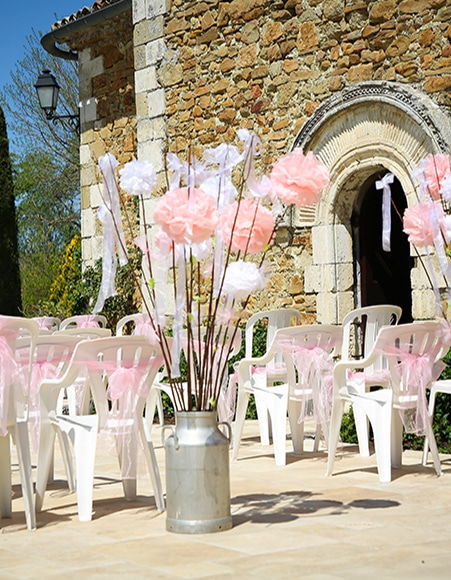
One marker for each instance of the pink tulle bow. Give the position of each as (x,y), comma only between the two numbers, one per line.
(87,321)
(144,327)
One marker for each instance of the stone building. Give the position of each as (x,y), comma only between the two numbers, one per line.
(364,84)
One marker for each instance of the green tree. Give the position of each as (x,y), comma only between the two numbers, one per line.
(10,292)
(46,172)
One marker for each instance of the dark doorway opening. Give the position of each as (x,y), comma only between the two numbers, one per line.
(382,277)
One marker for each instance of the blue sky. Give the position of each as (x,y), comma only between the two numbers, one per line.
(18,20)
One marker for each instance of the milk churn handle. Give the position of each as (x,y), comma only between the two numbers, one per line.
(174,434)
(229,429)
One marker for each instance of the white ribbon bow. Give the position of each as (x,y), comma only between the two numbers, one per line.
(384,184)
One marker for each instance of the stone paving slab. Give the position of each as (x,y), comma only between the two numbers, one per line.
(288,522)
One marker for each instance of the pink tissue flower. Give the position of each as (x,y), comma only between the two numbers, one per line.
(299,179)
(187,215)
(252,229)
(433,170)
(420,223)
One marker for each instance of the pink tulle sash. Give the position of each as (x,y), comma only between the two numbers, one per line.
(414,375)
(41,371)
(315,380)
(8,373)
(126,385)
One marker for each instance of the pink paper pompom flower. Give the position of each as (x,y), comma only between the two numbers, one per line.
(187,215)
(251,230)
(299,179)
(432,172)
(421,222)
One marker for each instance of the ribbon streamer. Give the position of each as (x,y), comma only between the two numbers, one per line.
(113,235)
(384,184)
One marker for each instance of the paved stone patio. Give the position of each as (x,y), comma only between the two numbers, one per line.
(288,522)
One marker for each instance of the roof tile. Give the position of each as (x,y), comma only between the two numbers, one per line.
(85,11)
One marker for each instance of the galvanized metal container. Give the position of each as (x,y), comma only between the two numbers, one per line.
(197,474)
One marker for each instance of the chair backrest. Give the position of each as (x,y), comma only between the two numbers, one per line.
(84,321)
(47,323)
(130,364)
(85,333)
(321,341)
(54,349)
(139,324)
(277,318)
(14,386)
(361,328)
(410,349)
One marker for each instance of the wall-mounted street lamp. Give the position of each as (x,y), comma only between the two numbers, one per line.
(48,90)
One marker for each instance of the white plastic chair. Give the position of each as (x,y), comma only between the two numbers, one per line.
(85,333)
(84,321)
(360,330)
(51,356)
(130,365)
(411,351)
(275,319)
(306,351)
(14,390)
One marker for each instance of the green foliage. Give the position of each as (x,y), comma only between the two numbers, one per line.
(45,170)
(348,432)
(10,292)
(64,292)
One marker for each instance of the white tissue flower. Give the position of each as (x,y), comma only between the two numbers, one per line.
(138,178)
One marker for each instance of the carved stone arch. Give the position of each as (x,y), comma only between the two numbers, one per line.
(369,128)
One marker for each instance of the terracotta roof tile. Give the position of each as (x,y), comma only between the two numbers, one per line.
(98,5)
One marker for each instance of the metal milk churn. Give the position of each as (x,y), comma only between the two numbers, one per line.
(197,474)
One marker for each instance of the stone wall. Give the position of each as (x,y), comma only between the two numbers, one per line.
(204,69)
(108,115)
(267,65)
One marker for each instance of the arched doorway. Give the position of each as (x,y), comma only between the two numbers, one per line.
(360,134)
(381,277)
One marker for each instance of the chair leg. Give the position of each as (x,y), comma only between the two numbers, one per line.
(396,439)
(361,425)
(378,409)
(431,408)
(5,477)
(85,442)
(45,460)
(24,458)
(264,426)
(240,416)
(433,447)
(275,400)
(154,472)
(297,429)
(334,433)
